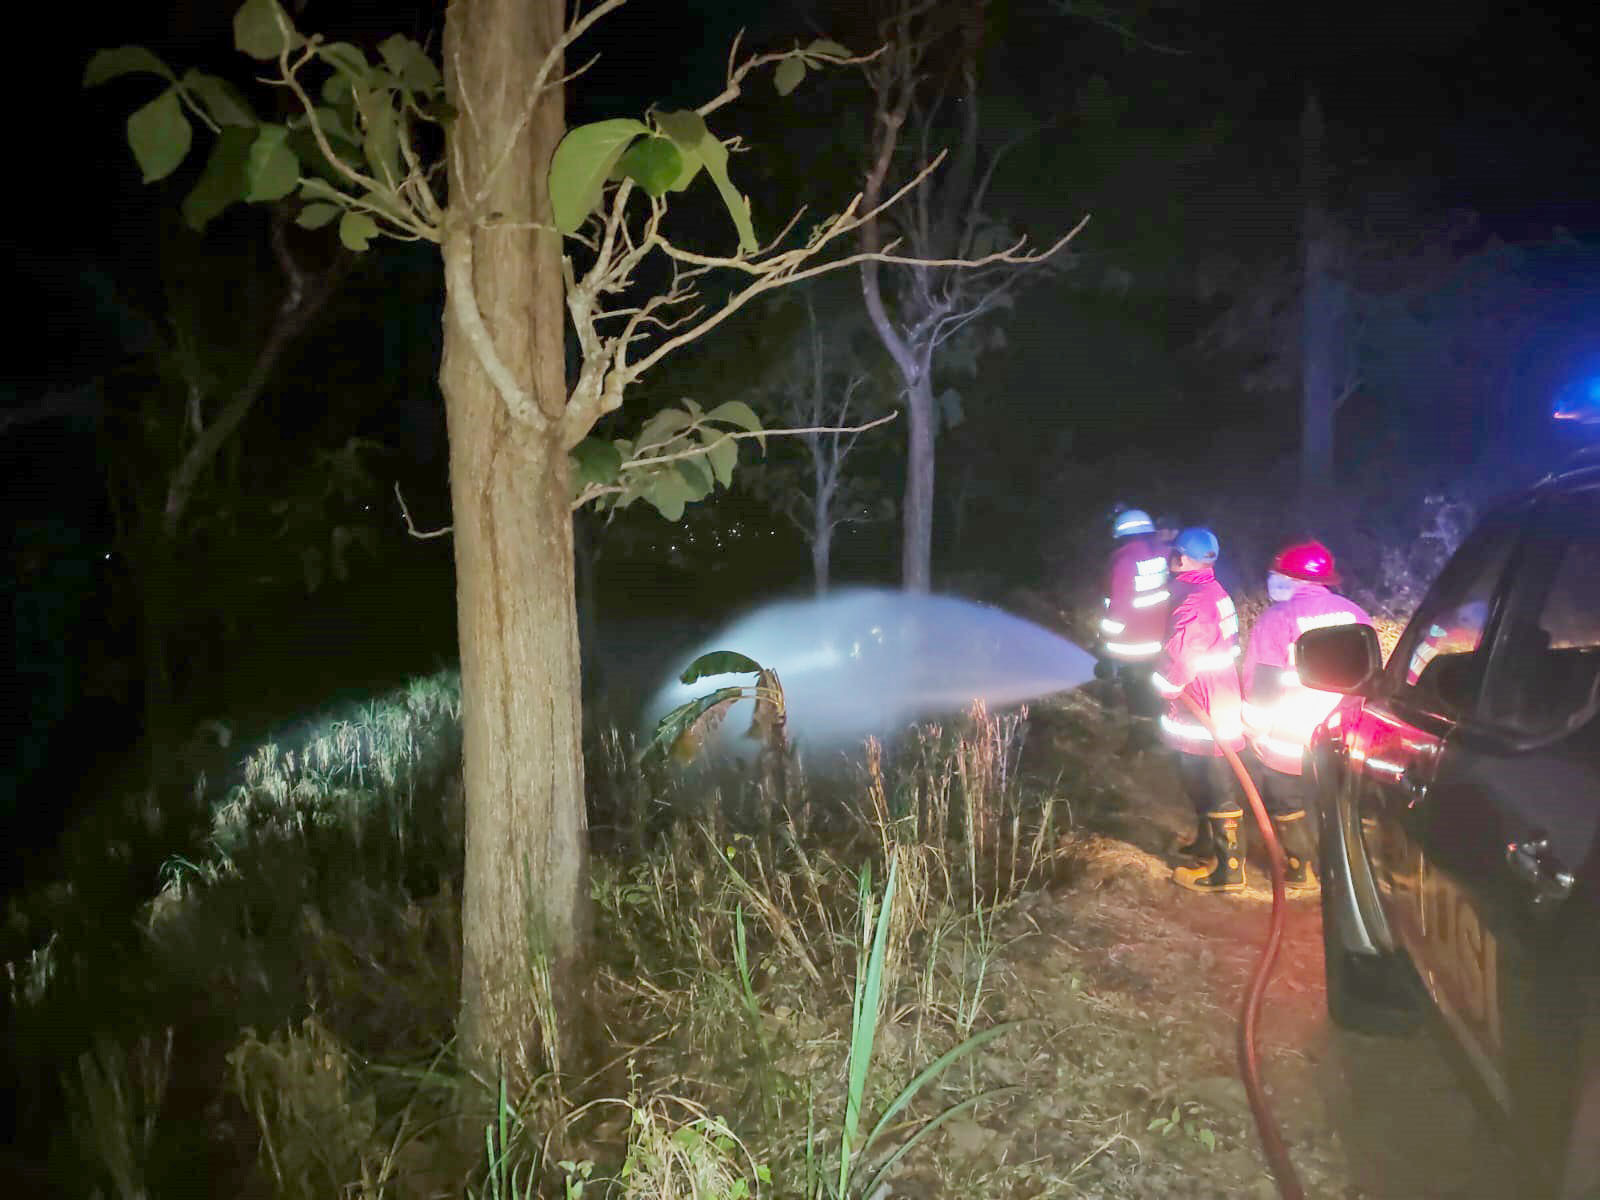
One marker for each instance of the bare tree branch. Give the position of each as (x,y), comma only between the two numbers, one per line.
(78,402)
(404,217)
(1100,14)
(463,300)
(594,490)
(734,87)
(419,534)
(301,301)
(738,435)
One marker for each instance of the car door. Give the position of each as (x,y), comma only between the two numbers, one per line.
(1510,821)
(1396,740)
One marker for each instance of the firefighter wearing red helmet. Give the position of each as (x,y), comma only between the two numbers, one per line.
(1279,711)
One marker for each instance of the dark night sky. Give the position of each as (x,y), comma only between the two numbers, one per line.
(1494,100)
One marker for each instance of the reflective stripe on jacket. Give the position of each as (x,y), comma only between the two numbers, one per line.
(1280,712)
(1136,601)
(1200,657)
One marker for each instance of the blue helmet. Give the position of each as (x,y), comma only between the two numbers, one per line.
(1197,543)
(1131,521)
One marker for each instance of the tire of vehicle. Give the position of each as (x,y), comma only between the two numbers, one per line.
(1578,1177)
(1556,1085)
(1367,993)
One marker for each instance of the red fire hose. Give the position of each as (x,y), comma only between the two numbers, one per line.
(1249,1069)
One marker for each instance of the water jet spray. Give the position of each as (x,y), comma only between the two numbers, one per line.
(862,662)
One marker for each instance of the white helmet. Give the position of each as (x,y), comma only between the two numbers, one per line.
(1131,521)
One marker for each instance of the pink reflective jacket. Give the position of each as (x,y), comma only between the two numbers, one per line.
(1135,620)
(1200,657)
(1280,713)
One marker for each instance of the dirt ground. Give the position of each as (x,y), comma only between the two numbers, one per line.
(1140,983)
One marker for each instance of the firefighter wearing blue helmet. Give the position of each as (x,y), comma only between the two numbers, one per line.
(1198,665)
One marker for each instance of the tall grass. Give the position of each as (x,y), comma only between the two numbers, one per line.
(776,1026)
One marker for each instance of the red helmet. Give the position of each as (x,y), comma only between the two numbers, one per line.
(1311,562)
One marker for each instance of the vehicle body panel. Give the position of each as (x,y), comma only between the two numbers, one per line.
(1459,795)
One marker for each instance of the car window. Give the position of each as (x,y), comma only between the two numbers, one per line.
(1436,664)
(1546,669)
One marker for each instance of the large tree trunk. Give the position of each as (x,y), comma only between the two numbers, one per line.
(821,554)
(1319,382)
(916,545)
(155,573)
(586,547)
(1320,324)
(524,906)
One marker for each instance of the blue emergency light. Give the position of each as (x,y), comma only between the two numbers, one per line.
(1580,404)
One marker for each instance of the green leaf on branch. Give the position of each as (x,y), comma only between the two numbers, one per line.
(692,165)
(384,204)
(789,74)
(356,230)
(159,135)
(722,452)
(719,662)
(716,159)
(259,29)
(332,123)
(410,64)
(668,493)
(124,60)
(737,412)
(339,91)
(221,100)
(686,130)
(697,477)
(595,461)
(347,61)
(823,48)
(582,163)
(661,428)
(315,216)
(382,144)
(272,169)
(654,163)
(312,188)
(224,179)
(314,162)
(700,146)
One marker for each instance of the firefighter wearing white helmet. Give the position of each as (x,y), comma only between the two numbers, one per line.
(1134,615)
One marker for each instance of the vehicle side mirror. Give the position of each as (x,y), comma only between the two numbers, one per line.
(1341,658)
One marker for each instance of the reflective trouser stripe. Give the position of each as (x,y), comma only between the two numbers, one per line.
(1132,649)
(1196,733)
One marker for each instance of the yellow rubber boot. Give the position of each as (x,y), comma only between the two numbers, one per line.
(1295,837)
(1224,872)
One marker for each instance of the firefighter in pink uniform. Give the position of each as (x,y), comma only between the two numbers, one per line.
(1280,713)
(1135,617)
(1199,660)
